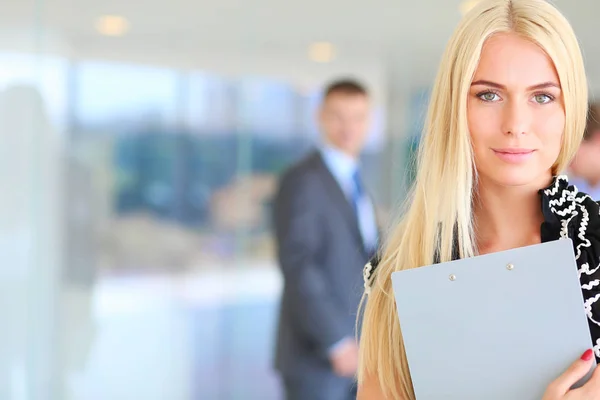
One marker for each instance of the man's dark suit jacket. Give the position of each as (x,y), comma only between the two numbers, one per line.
(321,254)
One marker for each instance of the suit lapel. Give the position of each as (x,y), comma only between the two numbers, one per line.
(338,197)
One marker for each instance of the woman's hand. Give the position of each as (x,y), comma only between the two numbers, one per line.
(560,389)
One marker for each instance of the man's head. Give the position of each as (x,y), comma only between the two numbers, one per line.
(587,160)
(344,116)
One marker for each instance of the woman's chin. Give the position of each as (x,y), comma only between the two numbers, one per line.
(518,177)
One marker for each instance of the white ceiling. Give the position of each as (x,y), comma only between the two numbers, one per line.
(407,34)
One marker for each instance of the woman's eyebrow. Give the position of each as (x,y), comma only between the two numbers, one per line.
(544,85)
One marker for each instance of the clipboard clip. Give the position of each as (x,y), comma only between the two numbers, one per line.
(509,266)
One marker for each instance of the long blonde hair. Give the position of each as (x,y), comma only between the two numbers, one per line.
(439,211)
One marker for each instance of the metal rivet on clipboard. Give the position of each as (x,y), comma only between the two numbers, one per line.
(452,277)
(510,267)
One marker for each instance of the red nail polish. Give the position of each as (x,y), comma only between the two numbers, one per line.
(587,356)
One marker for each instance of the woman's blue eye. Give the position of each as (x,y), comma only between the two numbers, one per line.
(542,98)
(488,96)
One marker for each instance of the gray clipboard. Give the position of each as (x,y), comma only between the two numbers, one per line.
(498,326)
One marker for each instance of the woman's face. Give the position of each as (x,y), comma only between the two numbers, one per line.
(515,113)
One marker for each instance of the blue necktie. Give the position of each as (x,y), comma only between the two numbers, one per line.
(357,193)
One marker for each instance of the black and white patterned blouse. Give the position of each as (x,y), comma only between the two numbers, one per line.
(568,213)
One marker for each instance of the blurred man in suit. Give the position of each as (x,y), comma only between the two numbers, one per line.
(585,169)
(326,231)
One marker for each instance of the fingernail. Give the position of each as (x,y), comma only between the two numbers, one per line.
(587,356)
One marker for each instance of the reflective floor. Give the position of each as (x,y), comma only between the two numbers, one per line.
(180,338)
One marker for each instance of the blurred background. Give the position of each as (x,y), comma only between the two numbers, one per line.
(140,147)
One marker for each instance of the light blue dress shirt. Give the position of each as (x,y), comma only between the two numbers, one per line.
(343,167)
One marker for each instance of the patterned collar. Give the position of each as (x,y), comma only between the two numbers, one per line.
(567,213)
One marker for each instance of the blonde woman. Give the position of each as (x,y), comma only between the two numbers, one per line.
(507,113)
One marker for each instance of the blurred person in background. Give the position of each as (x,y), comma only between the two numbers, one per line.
(326,231)
(29,243)
(46,291)
(585,168)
